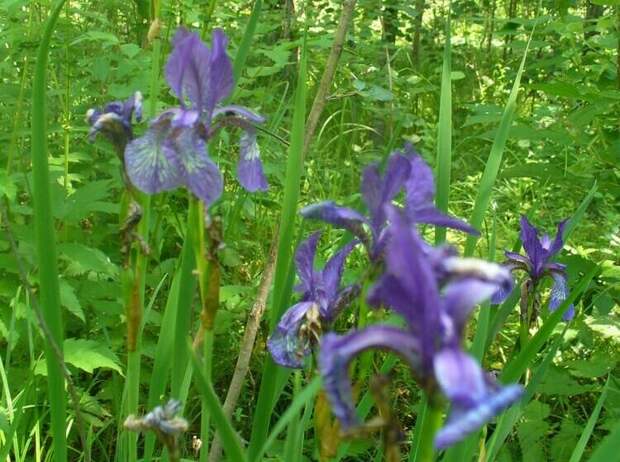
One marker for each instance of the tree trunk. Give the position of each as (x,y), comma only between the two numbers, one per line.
(419,13)
(346,15)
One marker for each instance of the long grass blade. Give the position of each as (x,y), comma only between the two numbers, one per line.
(46,244)
(491,169)
(302,399)
(444,134)
(165,345)
(589,428)
(260,424)
(581,210)
(230,439)
(246,41)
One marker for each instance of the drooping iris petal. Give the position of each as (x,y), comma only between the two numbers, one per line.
(519,260)
(420,194)
(340,217)
(559,293)
(465,420)
(250,168)
(152,163)
(460,377)
(432,216)
(304,262)
(200,174)
(285,344)
(239,111)
(219,81)
(338,351)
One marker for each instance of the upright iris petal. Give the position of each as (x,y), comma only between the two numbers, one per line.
(420,195)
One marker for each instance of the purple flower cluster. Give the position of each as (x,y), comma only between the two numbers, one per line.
(173,151)
(537,264)
(405,170)
(431,288)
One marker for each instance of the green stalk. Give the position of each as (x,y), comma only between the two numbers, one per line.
(46,245)
(230,439)
(430,424)
(205,417)
(135,285)
(185,298)
(444,134)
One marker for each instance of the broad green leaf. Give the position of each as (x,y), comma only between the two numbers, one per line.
(89,355)
(607,450)
(69,300)
(82,259)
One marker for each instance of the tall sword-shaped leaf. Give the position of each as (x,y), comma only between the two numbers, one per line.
(491,169)
(444,134)
(46,245)
(264,407)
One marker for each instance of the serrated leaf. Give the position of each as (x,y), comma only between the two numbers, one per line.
(69,300)
(82,259)
(89,355)
(597,365)
(130,49)
(607,326)
(557,381)
(562,443)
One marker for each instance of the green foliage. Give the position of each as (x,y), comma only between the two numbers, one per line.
(520,101)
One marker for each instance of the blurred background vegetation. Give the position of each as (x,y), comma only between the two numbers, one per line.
(565,137)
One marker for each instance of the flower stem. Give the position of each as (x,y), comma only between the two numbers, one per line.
(205,420)
(431,421)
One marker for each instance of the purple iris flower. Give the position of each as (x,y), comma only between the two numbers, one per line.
(405,169)
(537,264)
(173,151)
(114,121)
(431,342)
(322,299)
